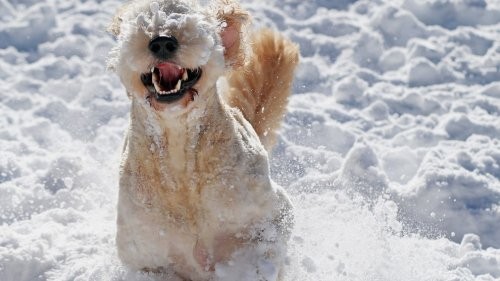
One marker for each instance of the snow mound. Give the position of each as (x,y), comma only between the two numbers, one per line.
(454,13)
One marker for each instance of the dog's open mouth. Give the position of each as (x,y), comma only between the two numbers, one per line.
(168,82)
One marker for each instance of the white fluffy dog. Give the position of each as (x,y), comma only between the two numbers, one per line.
(195,194)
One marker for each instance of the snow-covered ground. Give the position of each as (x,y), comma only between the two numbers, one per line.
(390,150)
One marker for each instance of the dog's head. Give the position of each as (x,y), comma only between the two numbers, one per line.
(169,52)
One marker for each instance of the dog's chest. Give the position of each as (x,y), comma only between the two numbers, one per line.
(190,178)
(200,183)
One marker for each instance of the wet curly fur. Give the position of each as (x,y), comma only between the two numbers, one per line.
(195,191)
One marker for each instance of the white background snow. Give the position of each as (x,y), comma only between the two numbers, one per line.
(390,150)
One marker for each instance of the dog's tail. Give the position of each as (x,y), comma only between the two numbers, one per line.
(260,88)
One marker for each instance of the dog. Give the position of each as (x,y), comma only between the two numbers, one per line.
(207,98)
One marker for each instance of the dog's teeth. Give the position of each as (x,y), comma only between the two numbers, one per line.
(184,76)
(157,87)
(178,86)
(152,69)
(156,82)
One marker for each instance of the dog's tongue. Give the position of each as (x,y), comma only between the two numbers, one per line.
(170,74)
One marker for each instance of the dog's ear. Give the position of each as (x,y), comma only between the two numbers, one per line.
(114,26)
(234,20)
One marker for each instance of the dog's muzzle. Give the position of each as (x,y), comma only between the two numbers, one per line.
(166,81)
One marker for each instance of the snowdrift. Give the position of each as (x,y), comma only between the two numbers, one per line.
(390,150)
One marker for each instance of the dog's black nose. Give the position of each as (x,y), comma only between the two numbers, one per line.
(163,47)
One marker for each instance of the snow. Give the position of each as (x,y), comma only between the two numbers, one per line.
(390,149)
